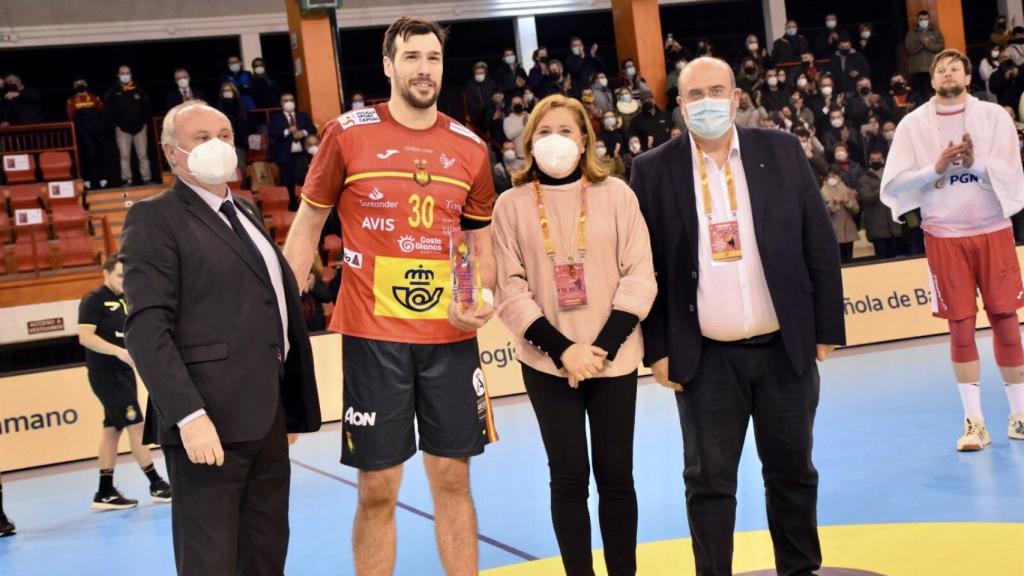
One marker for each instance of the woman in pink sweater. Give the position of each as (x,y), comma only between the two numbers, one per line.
(574,280)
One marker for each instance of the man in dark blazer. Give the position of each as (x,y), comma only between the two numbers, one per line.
(288,129)
(183,90)
(749,295)
(216,330)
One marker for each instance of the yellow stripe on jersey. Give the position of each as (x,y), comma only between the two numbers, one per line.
(316,204)
(407,175)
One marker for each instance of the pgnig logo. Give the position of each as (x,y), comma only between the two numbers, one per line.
(417,294)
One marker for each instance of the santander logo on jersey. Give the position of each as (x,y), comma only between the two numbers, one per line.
(375,199)
(379,224)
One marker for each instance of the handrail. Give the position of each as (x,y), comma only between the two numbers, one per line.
(43,137)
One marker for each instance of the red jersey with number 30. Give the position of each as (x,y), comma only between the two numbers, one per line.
(399,193)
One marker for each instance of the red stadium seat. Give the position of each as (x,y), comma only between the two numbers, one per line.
(281,222)
(55,165)
(69,220)
(15,172)
(56,192)
(75,251)
(5,232)
(25,196)
(273,198)
(23,257)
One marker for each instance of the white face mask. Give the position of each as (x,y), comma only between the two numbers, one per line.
(510,60)
(830,24)
(888,135)
(922,24)
(227,95)
(480,77)
(610,123)
(312,150)
(753,46)
(630,71)
(842,156)
(358,104)
(259,69)
(289,106)
(681,65)
(556,155)
(235,68)
(826,90)
(125,78)
(509,155)
(603,82)
(791,31)
(183,83)
(529,97)
(801,82)
(576,50)
(837,122)
(601,151)
(833,182)
(773,81)
(213,162)
(865,34)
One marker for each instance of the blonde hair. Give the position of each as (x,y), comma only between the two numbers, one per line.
(593,170)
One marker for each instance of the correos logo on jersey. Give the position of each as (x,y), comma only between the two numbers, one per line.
(411,289)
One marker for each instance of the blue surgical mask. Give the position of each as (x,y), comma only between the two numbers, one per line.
(709,118)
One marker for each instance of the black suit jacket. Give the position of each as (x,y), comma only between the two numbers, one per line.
(202,324)
(174,96)
(794,236)
(283,144)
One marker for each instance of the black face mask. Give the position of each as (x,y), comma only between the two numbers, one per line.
(517,108)
(864,90)
(648,106)
(876,166)
(807,63)
(749,69)
(80,89)
(899,87)
(846,51)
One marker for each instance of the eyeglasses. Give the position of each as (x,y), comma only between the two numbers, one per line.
(717,92)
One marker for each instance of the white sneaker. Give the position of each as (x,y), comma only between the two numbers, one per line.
(975,437)
(1016,427)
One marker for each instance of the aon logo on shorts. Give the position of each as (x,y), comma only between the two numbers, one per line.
(354,418)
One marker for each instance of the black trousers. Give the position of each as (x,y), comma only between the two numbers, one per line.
(846,252)
(610,404)
(887,248)
(232,519)
(733,383)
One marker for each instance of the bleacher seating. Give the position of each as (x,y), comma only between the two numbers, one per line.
(21,196)
(17,170)
(55,165)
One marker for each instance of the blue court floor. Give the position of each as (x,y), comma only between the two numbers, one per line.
(885,447)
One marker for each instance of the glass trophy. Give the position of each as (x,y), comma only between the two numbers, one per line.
(465,261)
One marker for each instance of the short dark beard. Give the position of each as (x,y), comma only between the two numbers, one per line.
(405,91)
(950,92)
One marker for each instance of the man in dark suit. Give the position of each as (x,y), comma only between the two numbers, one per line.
(216,331)
(749,294)
(183,90)
(288,129)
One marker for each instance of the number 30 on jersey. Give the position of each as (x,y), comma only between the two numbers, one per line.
(422,211)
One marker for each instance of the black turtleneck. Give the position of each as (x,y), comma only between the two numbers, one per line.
(550,181)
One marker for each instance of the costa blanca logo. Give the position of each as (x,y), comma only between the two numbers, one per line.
(409,244)
(418,293)
(355,418)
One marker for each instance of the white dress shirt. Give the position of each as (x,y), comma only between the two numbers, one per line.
(733,302)
(267,251)
(293,121)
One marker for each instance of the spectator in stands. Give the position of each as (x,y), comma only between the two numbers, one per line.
(494,120)
(877,55)
(20,104)
(632,151)
(1000,32)
(815,157)
(288,129)
(802,115)
(901,100)
(705,48)
(672,80)
(882,231)
(627,107)
(848,66)
(828,99)
(864,103)
(511,162)
(1016,46)
(529,100)
(85,111)
(537,79)
(840,132)
(263,88)
(888,133)
(310,145)
(184,91)
(750,77)
(590,106)
(604,97)
(358,101)
(922,43)
(676,132)
(652,125)
(611,134)
(678,121)
(1006,81)
(773,97)
(241,79)
(849,168)
(988,65)
(582,65)
(561,82)
(612,163)
(841,201)
(827,41)
(789,48)
(514,124)
(510,76)
(872,133)
(479,92)
(757,52)
(749,115)
(808,68)
(129,110)
(632,80)
(229,102)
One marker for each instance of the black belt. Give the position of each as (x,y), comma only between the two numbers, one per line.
(762,340)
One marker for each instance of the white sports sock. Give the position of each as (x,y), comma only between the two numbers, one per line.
(1015,394)
(970,397)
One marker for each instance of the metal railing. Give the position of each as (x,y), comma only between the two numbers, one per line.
(36,138)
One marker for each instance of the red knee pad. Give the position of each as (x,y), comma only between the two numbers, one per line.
(1006,340)
(962,347)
